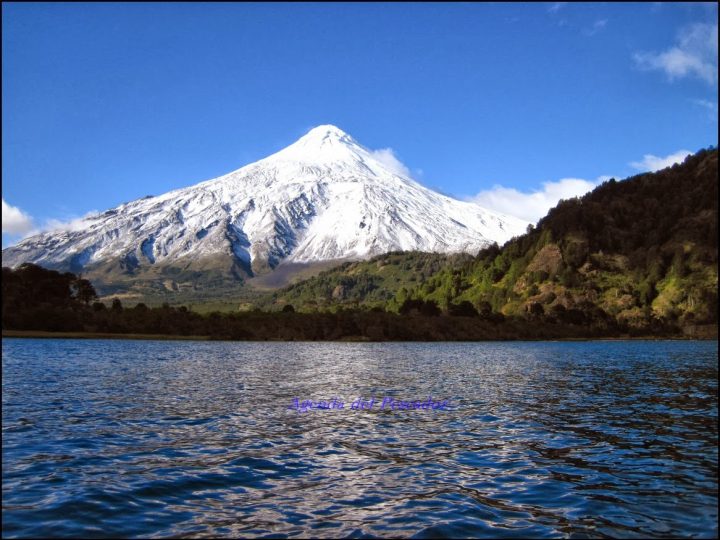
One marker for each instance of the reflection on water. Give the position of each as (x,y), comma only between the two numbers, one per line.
(591,439)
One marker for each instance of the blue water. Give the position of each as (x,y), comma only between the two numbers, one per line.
(160,439)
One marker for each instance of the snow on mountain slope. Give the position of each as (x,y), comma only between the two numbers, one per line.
(324,197)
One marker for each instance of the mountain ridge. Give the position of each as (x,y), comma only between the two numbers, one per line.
(324,197)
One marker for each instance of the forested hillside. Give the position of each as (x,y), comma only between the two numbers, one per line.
(641,252)
(636,257)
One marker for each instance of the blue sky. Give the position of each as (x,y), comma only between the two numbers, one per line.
(513,105)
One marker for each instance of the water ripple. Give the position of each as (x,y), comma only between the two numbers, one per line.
(168,439)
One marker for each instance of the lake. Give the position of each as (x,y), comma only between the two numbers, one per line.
(539,439)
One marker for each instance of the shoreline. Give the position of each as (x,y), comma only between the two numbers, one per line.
(43,334)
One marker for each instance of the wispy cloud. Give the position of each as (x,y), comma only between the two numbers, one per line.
(695,54)
(15,221)
(387,157)
(653,163)
(710,106)
(554,10)
(596,27)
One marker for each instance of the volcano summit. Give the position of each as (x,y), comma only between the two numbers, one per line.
(323,198)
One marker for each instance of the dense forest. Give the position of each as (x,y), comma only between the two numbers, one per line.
(641,252)
(636,257)
(37,299)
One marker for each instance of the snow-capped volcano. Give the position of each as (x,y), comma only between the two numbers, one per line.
(324,197)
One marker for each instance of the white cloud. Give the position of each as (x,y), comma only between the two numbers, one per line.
(70,224)
(532,206)
(710,106)
(387,157)
(14,220)
(19,225)
(596,27)
(694,54)
(555,7)
(653,163)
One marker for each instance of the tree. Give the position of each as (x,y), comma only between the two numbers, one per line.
(678,266)
(647,292)
(484,308)
(430,309)
(410,306)
(83,291)
(463,309)
(426,308)
(535,309)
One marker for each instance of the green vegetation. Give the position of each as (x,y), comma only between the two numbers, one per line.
(206,290)
(375,283)
(637,257)
(640,254)
(60,305)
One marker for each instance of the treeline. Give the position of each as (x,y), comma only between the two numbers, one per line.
(370,283)
(641,252)
(46,300)
(635,257)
